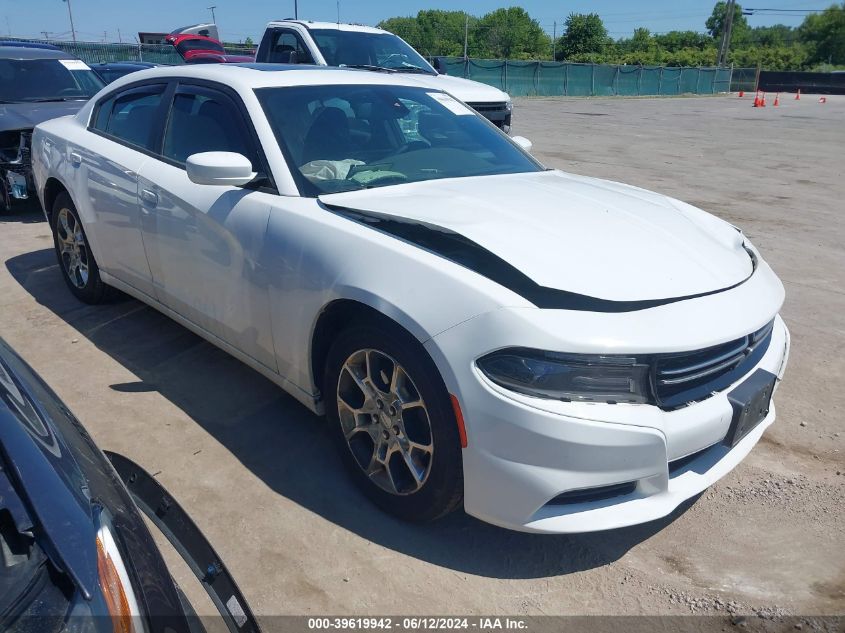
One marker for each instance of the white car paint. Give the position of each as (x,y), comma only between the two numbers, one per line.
(251,271)
(466,90)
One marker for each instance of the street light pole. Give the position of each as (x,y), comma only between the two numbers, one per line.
(212,8)
(70,15)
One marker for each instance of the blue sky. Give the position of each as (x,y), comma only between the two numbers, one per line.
(237,20)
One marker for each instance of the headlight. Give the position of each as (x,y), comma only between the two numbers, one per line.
(569,377)
(509,105)
(114,581)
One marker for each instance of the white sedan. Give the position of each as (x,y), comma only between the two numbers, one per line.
(558,353)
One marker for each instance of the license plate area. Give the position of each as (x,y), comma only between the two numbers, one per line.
(750,401)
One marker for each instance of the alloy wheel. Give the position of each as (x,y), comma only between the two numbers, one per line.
(73,250)
(385,422)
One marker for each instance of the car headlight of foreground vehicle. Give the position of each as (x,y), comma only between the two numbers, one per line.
(114,580)
(569,377)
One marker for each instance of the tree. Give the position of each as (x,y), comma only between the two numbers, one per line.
(248,43)
(510,34)
(824,35)
(585,34)
(716,23)
(432,32)
(677,40)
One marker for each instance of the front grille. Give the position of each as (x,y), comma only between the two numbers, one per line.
(497,106)
(678,379)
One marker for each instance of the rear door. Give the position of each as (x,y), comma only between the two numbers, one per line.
(204,242)
(129,122)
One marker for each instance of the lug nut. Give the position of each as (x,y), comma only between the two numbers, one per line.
(385,435)
(396,429)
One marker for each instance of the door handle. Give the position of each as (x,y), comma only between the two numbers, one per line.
(149,197)
(75,159)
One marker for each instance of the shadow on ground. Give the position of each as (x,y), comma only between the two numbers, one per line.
(285,444)
(23,212)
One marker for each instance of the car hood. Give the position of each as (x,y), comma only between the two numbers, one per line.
(25,116)
(464,89)
(581,235)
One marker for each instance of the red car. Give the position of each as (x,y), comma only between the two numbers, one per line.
(198,49)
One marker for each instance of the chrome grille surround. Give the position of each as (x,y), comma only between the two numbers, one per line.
(685,377)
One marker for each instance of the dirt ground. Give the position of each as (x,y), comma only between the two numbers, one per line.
(256,470)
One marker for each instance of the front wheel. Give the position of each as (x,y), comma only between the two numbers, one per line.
(393,422)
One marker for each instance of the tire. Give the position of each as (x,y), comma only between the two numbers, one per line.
(76,261)
(438,487)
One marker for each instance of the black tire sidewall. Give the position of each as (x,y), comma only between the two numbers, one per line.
(94,289)
(442,492)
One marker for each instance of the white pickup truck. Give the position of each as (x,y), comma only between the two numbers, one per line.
(355,46)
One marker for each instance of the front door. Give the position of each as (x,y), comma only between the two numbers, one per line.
(204,242)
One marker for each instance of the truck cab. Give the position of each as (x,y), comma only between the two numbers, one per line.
(369,48)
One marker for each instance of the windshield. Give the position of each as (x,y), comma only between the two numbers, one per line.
(199,45)
(24,80)
(355,48)
(346,137)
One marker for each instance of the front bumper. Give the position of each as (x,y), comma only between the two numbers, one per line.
(16,181)
(497,113)
(524,452)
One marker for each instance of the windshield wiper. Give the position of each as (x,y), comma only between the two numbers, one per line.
(410,68)
(383,69)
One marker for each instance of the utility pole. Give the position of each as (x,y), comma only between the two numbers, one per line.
(554,41)
(212,8)
(338,12)
(119,38)
(466,34)
(295,9)
(727,26)
(70,15)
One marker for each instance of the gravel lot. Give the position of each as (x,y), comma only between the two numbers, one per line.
(256,471)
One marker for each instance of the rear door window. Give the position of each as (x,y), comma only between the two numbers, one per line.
(130,116)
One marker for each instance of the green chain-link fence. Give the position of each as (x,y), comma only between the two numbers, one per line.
(539,78)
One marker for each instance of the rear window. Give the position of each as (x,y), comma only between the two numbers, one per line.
(32,80)
(199,45)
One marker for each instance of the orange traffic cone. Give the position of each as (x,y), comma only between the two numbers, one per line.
(763,101)
(756,101)
(741,94)
(777,100)
(822,99)
(798,95)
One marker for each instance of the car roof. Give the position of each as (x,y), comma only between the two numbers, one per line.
(248,76)
(25,44)
(25,52)
(329,26)
(126,64)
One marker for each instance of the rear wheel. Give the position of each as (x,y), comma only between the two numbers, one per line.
(79,268)
(394,423)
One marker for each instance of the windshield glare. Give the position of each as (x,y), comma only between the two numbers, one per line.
(45,80)
(355,48)
(347,137)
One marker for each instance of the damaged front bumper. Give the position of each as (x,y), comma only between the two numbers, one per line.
(15,167)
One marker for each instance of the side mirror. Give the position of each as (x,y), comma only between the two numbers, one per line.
(523,142)
(219,168)
(439,65)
